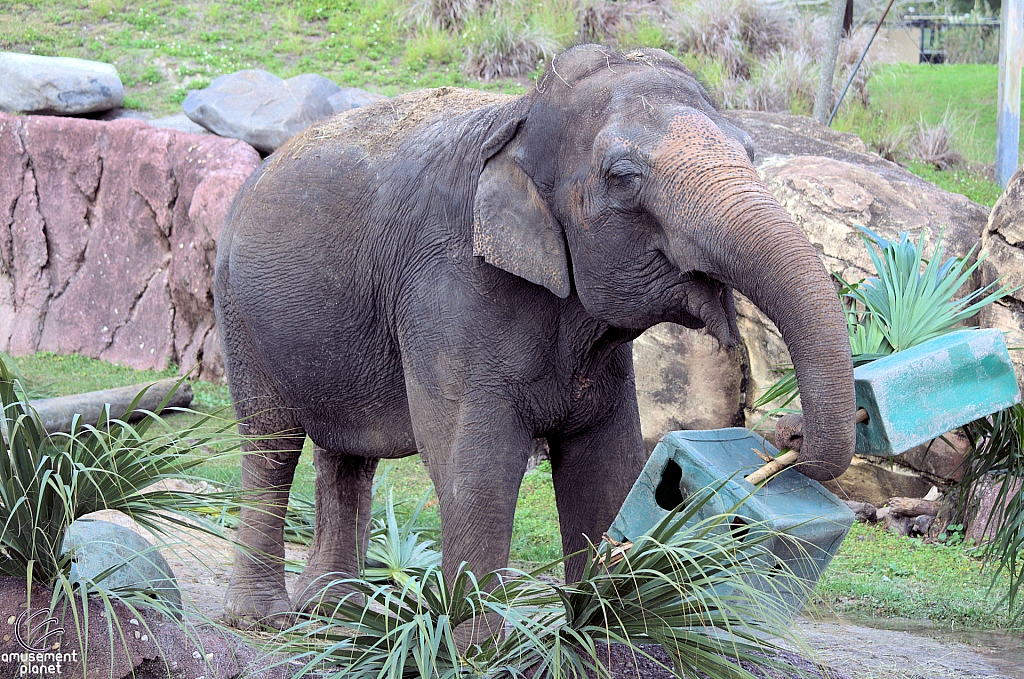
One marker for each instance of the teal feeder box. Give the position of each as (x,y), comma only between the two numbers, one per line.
(923,392)
(814,521)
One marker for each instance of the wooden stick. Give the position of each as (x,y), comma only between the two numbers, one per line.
(773,467)
(789,457)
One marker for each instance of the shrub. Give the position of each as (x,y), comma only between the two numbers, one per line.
(608,21)
(686,586)
(933,144)
(501,46)
(736,32)
(439,14)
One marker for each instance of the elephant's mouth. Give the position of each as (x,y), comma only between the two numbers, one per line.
(709,304)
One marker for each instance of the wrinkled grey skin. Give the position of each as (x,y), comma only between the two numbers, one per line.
(479,288)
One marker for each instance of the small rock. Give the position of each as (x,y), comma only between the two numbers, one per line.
(99,546)
(898,523)
(57,85)
(352,97)
(179,122)
(921,524)
(933,495)
(881,513)
(260,108)
(864,511)
(196,655)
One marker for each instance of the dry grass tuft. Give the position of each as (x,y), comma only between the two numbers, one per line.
(736,32)
(602,21)
(933,144)
(505,48)
(441,14)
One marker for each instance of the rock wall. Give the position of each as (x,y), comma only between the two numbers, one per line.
(108,235)
(1003,245)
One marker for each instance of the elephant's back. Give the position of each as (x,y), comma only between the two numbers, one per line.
(379,128)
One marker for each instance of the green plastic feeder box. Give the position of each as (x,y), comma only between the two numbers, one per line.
(814,521)
(923,392)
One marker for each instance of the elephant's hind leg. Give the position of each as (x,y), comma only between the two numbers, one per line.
(257,592)
(344,486)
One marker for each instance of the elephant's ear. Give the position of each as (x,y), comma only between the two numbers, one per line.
(513,229)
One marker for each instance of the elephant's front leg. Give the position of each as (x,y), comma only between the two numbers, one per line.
(593,471)
(477,466)
(344,486)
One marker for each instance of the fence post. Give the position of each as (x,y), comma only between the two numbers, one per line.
(1011,59)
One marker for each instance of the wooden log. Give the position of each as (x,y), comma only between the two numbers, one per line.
(56,414)
(909,506)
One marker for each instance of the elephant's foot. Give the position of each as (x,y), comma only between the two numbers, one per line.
(249,607)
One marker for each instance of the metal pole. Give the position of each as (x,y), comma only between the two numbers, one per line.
(828,64)
(1011,59)
(856,66)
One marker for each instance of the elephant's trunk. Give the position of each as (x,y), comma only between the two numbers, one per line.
(714,207)
(771,262)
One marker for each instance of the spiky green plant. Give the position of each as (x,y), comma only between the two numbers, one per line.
(395,550)
(997,453)
(911,299)
(686,586)
(47,481)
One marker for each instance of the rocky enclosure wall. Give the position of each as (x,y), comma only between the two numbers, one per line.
(108,234)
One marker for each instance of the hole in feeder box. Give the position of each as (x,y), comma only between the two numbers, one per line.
(669,494)
(739,528)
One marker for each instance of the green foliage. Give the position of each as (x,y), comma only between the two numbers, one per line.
(47,481)
(903,305)
(682,586)
(997,455)
(396,551)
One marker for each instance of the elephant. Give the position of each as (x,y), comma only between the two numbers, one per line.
(457,274)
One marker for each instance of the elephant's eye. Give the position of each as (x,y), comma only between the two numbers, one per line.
(624,178)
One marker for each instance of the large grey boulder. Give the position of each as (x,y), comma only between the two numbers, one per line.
(352,97)
(57,85)
(685,379)
(98,546)
(260,108)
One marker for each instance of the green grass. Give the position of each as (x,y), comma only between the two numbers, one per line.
(878,573)
(904,95)
(913,92)
(874,572)
(162,49)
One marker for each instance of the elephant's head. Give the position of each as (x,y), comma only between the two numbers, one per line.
(618,179)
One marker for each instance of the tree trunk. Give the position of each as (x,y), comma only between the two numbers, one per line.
(823,102)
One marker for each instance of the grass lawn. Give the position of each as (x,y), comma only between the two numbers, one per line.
(162,49)
(965,95)
(874,572)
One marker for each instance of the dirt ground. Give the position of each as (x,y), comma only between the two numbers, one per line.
(202,566)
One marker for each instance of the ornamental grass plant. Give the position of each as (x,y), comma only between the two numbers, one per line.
(687,585)
(48,481)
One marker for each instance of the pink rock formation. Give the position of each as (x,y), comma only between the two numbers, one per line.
(108,238)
